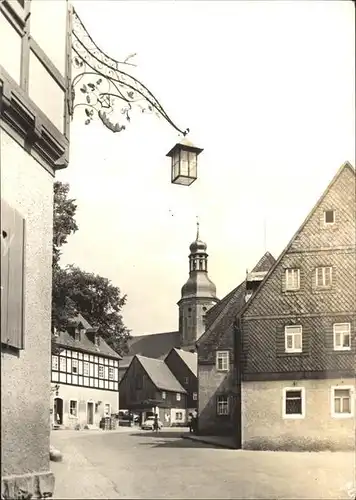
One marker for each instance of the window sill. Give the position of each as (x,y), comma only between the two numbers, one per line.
(342,349)
(72,416)
(294,351)
(221,370)
(293,417)
(342,416)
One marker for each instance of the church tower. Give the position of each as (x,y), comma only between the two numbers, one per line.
(198,295)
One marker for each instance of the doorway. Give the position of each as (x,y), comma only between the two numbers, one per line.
(58,411)
(90,413)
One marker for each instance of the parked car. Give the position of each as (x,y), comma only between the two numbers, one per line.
(149,422)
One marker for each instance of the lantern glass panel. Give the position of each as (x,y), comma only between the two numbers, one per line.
(175,165)
(184,163)
(192,164)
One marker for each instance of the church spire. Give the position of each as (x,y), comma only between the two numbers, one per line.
(197,295)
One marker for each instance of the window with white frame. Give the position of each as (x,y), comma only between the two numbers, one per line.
(293,338)
(62,364)
(341,401)
(329,217)
(86,369)
(323,276)
(195,396)
(111,373)
(73,408)
(178,396)
(292,279)
(74,366)
(293,402)
(179,415)
(342,337)
(222,405)
(222,361)
(54,362)
(101,371)
(164,395)
(107,409)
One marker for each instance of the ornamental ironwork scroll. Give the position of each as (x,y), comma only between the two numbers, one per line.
(100,85)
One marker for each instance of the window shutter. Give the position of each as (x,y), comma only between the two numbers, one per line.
(12,276)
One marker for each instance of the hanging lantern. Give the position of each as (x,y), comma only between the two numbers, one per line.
(184,162)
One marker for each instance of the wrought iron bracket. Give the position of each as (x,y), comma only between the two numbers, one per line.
(100,85)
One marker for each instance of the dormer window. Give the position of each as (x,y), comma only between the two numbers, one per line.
(248,296)
(329,217)
(97,340)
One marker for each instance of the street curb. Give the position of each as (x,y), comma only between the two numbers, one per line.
(207,441)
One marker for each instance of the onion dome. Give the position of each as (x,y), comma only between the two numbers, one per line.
(198,246)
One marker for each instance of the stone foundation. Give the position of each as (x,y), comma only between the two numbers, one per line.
(29,486)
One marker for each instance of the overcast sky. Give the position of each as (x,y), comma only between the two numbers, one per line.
(266,88)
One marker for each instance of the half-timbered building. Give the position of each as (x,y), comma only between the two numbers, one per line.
(84,376)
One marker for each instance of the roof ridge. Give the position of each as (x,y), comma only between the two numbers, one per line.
(155,333)
(299,230)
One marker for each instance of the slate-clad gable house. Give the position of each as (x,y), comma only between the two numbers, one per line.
(276,365)
(215,349)
(297,334)
(85,376)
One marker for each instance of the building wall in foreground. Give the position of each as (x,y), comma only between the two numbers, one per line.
(264,427)
(25,374)
(213,383)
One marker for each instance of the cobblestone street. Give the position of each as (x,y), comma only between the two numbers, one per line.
(139,464)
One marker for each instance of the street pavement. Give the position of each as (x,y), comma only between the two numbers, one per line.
(131,463)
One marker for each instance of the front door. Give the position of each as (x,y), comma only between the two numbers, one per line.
(58,411)
(90,413)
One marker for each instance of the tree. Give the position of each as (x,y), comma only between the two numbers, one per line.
(64,223)
(76,291)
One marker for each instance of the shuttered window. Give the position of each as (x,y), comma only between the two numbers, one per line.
(12,276)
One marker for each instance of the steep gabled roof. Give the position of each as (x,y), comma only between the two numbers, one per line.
(343,167)
(156,345)
(189,358)
(231,305)
(126,361)
(80,320)
(214,312)
(160,374)
(65,339)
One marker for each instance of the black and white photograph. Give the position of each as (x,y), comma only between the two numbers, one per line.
(178,249)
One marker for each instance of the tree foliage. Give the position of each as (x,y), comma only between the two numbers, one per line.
(77,291)
(64,223)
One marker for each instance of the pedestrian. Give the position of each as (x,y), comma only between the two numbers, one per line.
(190,422)
(195,421)
(155,423)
